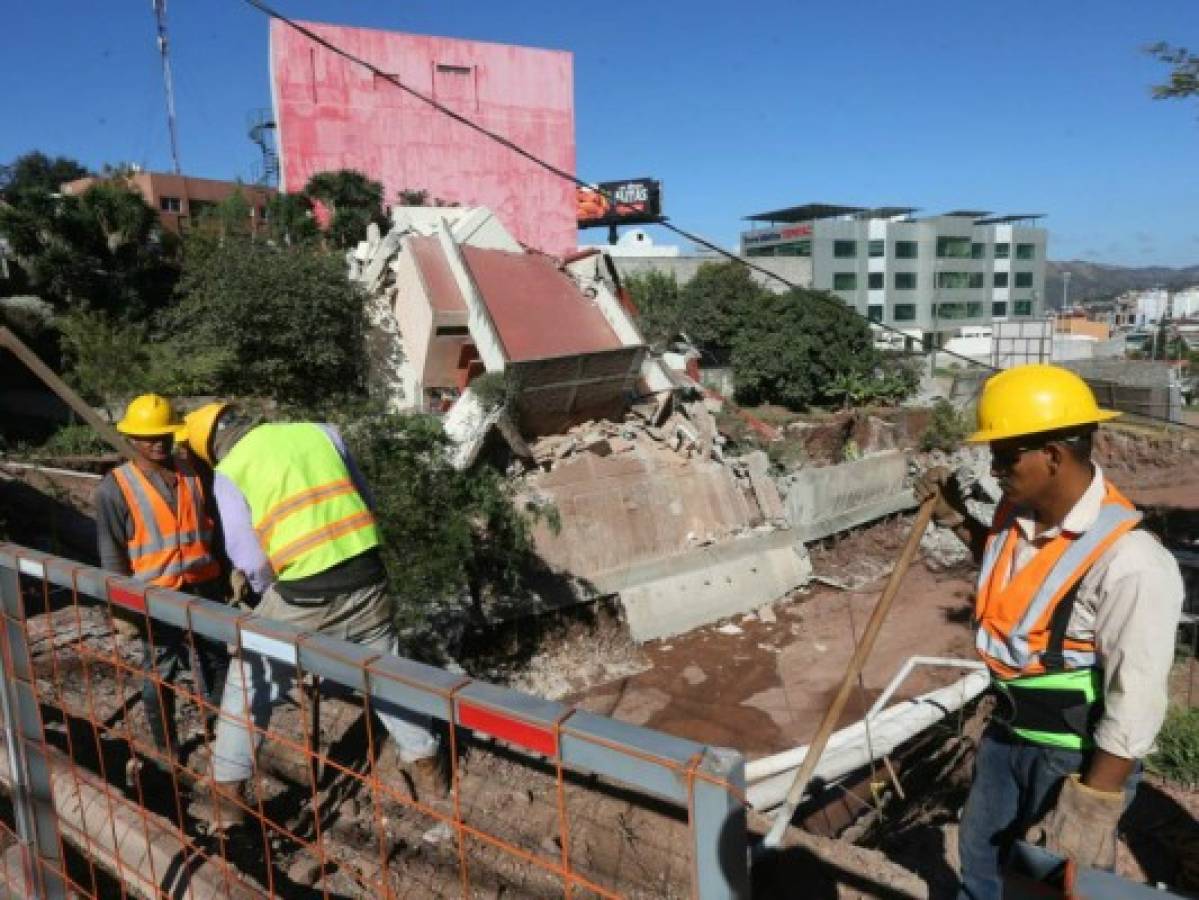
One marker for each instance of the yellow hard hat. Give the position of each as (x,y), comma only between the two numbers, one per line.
(149,415)
(1034,398)
(198,427)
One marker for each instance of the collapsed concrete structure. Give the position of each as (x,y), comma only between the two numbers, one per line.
(620,442)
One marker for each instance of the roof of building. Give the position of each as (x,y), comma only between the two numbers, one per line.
(886,212)
(444,295)
(538,310)
(805,213)
(967,213)
(1003,220)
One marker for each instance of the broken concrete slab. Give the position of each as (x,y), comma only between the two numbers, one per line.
(677,594)
(822,501)
(715,583)
(757,467)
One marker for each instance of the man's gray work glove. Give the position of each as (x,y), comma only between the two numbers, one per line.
(950,510)
(1082,826)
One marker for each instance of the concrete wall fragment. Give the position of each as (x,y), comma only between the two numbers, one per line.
(823,501)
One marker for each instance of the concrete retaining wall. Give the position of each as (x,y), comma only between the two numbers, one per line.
(823,501)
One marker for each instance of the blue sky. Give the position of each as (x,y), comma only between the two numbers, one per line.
(1013,107)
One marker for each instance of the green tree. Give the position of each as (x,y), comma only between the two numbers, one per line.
(1184,72)
(447,534)
(254,319)
(717,304)
(103,249)
(353,201)
(289,220)
(659,304)
(106,360)
(229,218)
(37,173)
(800,348)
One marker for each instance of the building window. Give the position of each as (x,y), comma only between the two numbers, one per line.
(953,247)
(452,331)
(845,249)
(952,280)
(1022,307)
(878,248)
(845,281)
(875,281)
(905,312)
(905,281)
(874,313)
(1001,279)
(906,249)
(976,279)
(1024,279)
(978,251)
(959,310)
(170,204)
(999,309)
(760,251)
(795,248)
(1003,251)
(1025,251)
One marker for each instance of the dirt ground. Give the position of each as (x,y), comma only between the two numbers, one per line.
(760,682)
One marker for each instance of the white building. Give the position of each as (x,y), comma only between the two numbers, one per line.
(931,276)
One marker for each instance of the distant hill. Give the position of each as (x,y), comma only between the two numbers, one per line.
(1096,281)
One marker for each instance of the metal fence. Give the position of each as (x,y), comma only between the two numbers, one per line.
(545,799)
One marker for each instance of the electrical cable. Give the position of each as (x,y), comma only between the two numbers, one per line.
(663,221)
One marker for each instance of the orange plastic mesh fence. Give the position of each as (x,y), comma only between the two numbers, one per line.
(330,810)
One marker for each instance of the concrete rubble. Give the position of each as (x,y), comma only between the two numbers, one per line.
(651,503)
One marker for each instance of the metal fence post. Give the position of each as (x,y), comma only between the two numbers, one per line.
(29,763)
(718,827)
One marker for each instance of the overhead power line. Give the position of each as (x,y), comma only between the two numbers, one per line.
(273,13)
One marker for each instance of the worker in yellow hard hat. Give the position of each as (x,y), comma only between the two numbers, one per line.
(155,522)
(1075,611)
(297,519)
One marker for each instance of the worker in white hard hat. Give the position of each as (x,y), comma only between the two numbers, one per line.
(1075,612)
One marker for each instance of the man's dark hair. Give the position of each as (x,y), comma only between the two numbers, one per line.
(1079,440)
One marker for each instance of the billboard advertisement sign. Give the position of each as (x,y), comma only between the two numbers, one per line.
(629,202)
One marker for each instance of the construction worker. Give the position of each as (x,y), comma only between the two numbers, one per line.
(297,521)
(154,521)
(1076,611)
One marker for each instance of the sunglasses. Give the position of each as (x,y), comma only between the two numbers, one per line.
(1006,456)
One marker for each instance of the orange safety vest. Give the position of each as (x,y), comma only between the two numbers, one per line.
(168,549)
(1021,630)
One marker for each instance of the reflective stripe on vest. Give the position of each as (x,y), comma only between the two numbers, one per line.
(1013,614)
(1084,685)
(169,549)
(304,507)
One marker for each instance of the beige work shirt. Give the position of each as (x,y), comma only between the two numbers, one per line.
(1128,602)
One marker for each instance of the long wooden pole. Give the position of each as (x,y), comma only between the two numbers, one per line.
(856,663)
(63,390)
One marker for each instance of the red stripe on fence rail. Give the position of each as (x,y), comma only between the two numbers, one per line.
(532,737)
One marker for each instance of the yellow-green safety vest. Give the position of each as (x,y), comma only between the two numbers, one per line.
(304,507)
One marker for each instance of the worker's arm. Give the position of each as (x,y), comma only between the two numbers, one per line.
(1137,605)
(114,527)
(241,542)
(973,534)
(950,509)
(356,475)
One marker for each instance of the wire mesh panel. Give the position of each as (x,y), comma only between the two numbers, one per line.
(113,714)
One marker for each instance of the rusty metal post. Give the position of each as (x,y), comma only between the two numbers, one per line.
(37,822)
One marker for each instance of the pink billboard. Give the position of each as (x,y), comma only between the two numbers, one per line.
(335,114)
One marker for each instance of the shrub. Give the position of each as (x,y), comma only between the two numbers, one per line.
(946,428)
(797,347)
(263,321)
(1177,756)
(448,535)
